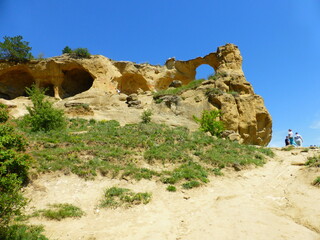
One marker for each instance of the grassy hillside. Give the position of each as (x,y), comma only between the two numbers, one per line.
(140,151)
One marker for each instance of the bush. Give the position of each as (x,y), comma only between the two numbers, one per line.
(10,140)
(80,53)
(11,199)
(43,116)
(15,50)
(4,115)
(171,188)
(116,197)
(22,232)
(61,211)
(13,172)
(209,123)
(77,53)
(146,116)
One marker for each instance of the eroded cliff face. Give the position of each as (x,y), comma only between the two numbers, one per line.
(243,111)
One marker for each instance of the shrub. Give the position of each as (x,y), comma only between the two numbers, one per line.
(209,123)
(61,211)
(10,140)
(43,116)
(11,199)
(80,53)
(146,116)
(23,232)
(4,115)
(13,172)
(171,188)
(115,197)
(15,50)
(313,161)
(191,184)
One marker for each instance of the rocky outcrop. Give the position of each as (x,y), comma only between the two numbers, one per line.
(96,78)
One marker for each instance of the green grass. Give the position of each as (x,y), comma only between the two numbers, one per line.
(89,148)
(313,161)
(175,91)
(316,182)
(123,197)
(287,148)
(191,184)
(60,211)
(171,188)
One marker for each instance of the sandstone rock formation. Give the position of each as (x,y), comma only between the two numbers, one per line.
(97,81)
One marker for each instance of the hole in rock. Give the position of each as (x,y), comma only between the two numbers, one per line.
(49,89)
(76,81)
(204,71)
(14,83)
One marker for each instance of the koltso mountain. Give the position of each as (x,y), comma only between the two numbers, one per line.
(102,88)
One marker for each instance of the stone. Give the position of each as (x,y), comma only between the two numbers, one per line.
(175,84)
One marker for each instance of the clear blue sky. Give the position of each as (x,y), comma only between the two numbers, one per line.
(278,39)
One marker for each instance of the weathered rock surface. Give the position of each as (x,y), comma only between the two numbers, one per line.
(105,85)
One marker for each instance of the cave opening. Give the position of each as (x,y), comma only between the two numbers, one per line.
(76,81)
(13,83)
(49,89)
(130,83)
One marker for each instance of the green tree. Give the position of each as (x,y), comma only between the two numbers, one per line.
(15,50)
(43,116)
(209,122)
(67,49)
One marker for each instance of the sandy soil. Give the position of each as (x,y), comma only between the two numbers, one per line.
(275,201)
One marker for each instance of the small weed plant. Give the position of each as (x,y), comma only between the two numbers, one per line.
(287,148)
(316,182)
(146,116)
(313,161)
(123,197)
(171,188)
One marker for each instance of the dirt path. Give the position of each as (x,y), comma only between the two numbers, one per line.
(275,201)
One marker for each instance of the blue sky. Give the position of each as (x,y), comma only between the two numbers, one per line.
(279,42)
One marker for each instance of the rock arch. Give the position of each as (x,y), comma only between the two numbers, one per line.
(14,82)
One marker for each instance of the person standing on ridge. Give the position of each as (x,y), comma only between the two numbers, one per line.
(298,139)
(290,135)
(287,141)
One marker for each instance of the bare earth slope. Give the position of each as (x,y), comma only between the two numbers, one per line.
(275,201)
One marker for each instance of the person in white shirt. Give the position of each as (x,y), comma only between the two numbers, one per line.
(298,139)
(290,135)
